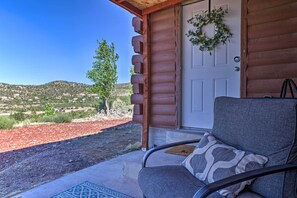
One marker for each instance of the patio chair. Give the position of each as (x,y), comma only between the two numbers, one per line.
(260,127)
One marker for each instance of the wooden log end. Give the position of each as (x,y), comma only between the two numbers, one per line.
(137,79)
(137,99)
(137,24)
(137,118)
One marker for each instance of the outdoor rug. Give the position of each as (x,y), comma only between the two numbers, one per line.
(183,150)
(90,190)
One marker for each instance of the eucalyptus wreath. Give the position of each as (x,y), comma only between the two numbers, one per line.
(222,32)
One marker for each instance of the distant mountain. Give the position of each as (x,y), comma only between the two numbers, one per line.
(56,92)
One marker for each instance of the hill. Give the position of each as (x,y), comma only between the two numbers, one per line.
(60,93)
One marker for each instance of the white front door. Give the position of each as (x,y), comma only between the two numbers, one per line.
(207,76)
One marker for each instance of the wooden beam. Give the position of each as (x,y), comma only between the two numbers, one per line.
(147,77)
(165,99)
(128,6)
(141,13)
(178,67)
(163,77)
(163,110)
(164,121)
(161,6)
(164,67)
(244,50)
(163,88)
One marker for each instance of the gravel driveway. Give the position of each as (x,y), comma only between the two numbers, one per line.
(23,169)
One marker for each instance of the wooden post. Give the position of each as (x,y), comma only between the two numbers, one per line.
(146,73)
(177,24)
(244,41)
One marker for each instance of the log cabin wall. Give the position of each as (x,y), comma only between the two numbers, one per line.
(269,46)
(165,67)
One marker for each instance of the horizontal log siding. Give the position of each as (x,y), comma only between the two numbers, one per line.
(271,46)
(163,69)
(164,99)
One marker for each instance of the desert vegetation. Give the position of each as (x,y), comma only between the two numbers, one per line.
(57,102)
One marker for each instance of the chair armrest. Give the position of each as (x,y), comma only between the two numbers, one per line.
(151,151)
(212,187)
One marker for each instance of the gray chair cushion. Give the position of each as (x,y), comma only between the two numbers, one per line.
(266,127)
(212,160)
(174,182)
(248,194)
(169,181)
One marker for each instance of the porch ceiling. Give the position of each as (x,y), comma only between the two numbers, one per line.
(143,7)
(142,4)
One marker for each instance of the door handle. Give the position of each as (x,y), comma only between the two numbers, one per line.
(237,69)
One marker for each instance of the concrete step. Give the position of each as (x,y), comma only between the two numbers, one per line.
(131,169)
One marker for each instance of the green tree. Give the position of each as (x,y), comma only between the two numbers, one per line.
(104,72)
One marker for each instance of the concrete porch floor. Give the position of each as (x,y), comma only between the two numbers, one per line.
(119,174)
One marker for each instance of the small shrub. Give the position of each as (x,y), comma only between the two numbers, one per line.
(58,118)
(62,118)
(91,112)
(18,109)
(82,114)
(46,118)
(125,99)
(34,117)
(24,123)
(6,122)
(118,104)
(49,110)
(18,116)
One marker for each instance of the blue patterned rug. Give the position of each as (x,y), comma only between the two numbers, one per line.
(90,190)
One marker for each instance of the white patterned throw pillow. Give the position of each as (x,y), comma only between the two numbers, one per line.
(213,160)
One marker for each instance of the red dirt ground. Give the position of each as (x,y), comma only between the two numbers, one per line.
(41,134)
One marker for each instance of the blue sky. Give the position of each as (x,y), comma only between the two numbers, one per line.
(47,40)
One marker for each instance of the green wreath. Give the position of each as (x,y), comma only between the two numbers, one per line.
(222,32)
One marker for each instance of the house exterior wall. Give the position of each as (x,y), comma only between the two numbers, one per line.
(269,46)
(165,66)
(268,56)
